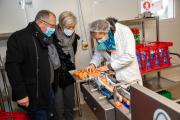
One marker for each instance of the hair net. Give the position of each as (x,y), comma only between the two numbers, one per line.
(100,26)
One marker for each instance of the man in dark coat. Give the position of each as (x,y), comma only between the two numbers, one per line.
(28,66)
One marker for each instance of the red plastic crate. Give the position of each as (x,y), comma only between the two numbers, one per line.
(153,55)
(13,115)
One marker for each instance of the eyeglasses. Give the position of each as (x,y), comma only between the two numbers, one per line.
(52,25)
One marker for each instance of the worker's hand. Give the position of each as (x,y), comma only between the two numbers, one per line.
(91,68)
(24,102)
(103,68)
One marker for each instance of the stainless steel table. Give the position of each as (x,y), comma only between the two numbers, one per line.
(101,107)
(77,92)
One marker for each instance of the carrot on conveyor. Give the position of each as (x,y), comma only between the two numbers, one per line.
(83,74)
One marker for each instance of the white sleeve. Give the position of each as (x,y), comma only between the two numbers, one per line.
(97,58)
(126,49)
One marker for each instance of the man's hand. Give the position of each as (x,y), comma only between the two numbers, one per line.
(24,102)
(103,68)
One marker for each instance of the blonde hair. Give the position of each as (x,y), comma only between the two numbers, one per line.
(66,18)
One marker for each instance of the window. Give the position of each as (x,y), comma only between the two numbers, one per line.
(162,8)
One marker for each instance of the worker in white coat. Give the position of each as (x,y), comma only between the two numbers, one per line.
(115,43)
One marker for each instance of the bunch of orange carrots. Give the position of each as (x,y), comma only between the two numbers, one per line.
(82,74)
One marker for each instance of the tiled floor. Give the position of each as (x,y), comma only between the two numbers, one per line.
(87,114)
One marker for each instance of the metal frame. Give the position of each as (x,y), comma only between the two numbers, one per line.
(4,36)
(77,92)
(142,22)
(6,97)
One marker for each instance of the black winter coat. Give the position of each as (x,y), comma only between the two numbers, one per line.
(28,66)
(62,77)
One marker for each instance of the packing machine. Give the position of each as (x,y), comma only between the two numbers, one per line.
(113,100)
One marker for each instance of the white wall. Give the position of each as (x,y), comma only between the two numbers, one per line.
(12,16)
(121,9)
(57,6)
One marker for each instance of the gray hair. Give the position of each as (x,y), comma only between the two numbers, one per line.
(44,15)
(66,18)
(100,26)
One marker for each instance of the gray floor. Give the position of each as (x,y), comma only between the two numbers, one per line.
(87,114)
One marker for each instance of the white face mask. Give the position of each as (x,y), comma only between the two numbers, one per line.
(68,32)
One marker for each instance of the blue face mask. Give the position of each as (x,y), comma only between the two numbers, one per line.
(68,32)
(49,31)
(106,44)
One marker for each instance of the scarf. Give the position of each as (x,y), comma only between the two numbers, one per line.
(53,56)
(107,45)
(66,42)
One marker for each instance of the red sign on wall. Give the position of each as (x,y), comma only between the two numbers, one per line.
(147,5)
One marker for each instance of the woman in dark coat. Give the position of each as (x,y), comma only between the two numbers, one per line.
(67,40)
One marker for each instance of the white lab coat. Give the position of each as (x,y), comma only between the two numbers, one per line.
(123,60)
